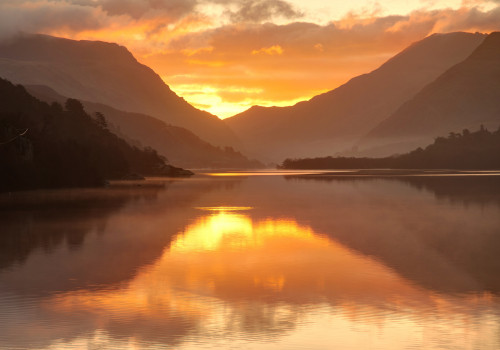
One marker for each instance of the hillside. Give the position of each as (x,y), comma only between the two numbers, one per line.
(478,150)
(105,73)
(334,121)
(465,96)
(45,145)
(179,145)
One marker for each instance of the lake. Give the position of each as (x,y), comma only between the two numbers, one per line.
(254,260)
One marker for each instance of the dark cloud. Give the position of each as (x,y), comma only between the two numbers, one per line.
(473,19)
(245,10)
(173,9)
(39,16)
(263,10)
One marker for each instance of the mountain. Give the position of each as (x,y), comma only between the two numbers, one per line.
(334,121)
(465,96)
(105,73)
(179,145)
(44,145)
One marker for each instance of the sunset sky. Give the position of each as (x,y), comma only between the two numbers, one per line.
(224,56)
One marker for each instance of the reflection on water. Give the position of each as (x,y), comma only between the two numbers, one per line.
(445,237)
(479,187)
(42,230)
(260,262)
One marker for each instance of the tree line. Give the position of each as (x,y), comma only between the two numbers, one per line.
(479,150)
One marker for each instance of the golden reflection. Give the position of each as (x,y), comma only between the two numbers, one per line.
(224,229)
(226,270)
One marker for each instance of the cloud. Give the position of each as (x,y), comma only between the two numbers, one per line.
(472,19)
(77,15)
(38,16)
(135,9)
(273,50)
(319,47)
(299,39)
(263,10)
(170,9)
(448,20)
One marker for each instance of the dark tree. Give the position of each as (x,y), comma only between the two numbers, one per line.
(101,120)
(73,105)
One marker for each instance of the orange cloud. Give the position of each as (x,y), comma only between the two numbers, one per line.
(272,50)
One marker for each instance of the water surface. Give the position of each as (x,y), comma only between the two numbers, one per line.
(274,261)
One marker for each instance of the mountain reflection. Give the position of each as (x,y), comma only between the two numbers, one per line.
(228,273)
(438,231)
(47,219)
(476,189)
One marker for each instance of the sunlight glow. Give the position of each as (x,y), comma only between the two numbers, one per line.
(217,100)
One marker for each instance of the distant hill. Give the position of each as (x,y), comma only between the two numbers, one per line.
(334,121)
(105,73)
(44,145)
(464,151)
(179,145)
(466,95)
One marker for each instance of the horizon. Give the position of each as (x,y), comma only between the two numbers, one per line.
(227,56)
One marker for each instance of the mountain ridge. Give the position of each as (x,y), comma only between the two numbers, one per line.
(106,73)
(465,96)
(177,144)
(333,121)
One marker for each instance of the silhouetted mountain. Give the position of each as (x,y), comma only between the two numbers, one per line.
(105,73)
(476,150)
(465,96)
(179,145)
(334,121)
(45,145)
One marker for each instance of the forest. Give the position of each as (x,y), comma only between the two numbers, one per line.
(50,146)
(478,150)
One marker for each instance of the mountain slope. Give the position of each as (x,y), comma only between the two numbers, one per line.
(465,96)
(333,121)
(105,73)
(180,146)
(45,145)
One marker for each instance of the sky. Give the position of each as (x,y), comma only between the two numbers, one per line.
(225,56)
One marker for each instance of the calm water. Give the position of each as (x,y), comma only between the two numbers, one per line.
(254,262)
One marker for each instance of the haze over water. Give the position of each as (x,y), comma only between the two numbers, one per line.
(254,262)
